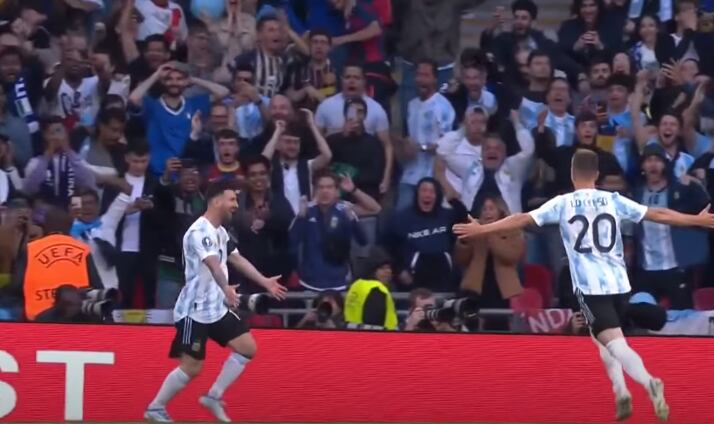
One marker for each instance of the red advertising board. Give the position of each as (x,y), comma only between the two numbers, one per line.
(52,373)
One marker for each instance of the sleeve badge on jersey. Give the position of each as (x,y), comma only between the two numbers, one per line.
(207,242)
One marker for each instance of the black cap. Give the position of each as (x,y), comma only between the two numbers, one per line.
(654,149)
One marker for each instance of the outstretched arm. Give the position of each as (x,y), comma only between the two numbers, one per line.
(271,284)
(474,229)
(669,217)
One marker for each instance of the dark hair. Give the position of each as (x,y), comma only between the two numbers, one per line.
(353,64)
(243,66)
(578,4)
(554,80)
(526,5)
(621,79)
(112,98)
(325,173)
(585,116)
(320,32)
(157,38)
(226,133)
(57,221)
(254,160)
(471,57)
(354,101)
(197,27)
(218,188)
(63,290)
(139,147)
(48,121)
(430,63)
(11,51)
(585,162)
(264,20)
(105,116)
(655,18)
(88,192)
(538,53)
(600,58)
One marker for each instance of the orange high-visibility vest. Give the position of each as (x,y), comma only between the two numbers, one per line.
(53,261)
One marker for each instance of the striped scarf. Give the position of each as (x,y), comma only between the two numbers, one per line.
(18,103)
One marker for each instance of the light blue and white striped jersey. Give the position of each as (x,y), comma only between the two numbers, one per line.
(201,298)
(590,222)
(657,247)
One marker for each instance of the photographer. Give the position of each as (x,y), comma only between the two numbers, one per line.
(421,300)
(67,307)
(369,301)
(327,312)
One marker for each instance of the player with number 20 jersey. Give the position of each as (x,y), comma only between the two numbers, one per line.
(589,221)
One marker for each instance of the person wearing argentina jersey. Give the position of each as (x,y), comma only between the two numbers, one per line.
(205,308)
(666,253)
(540,72)
(669,133)
(590,224)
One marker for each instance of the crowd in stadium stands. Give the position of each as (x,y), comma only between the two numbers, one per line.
(357,133)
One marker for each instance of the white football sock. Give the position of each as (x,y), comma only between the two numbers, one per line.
(613,367)
(232,369)
(174,383)
(631,361)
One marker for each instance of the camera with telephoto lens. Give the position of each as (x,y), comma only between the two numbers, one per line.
(258,303)
(464,308)
(98,303)
(323,311)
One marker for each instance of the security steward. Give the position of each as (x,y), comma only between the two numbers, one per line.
(369,303)
(50,262)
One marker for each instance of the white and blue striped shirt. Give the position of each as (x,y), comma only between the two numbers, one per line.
(590,222)
(201,298)
(657,247)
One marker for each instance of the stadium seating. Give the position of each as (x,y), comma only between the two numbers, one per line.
(266,321)
(529,300)
(704,299)
(540,278)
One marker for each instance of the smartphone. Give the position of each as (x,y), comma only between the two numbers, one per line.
(76,202)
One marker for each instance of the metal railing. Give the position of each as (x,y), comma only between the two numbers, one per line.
(308,298)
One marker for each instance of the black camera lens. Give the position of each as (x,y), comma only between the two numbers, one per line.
(324,312)
(258,303)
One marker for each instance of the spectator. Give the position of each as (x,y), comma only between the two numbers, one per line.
(227,168)
(280,108)
(36,276)
(665,253)
(357,153)
(428,29)
(313,79)
(21,80)
(178,205)
(249,107)
(99,231)
(559,157)
(163,17)
(593,87)
(16,128)
(262,222)
(16,230)
(136,236)
(168,119)
(324,232)
(330,116)
(540,73)
(201,146)
(491,268)
(143,63)
(10,181)
(495,174)
(421,300)
(622,63)
(654,48)
(291,175)
(420,240)
(505,45)
(369,301)
(429,117)
(104,152)
(58,173)
(588,32)
(460,149)
(267,59)
(557,119)
(365,43)
(472,92)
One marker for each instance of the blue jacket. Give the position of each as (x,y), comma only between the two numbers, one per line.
(691,246)
(318,235)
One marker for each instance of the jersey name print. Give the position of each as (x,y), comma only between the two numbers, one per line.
(590,226)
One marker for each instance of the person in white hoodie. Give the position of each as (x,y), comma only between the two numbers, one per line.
(99,232)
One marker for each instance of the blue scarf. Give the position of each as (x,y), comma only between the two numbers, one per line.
(18,102)
(80,229)
(59,185)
